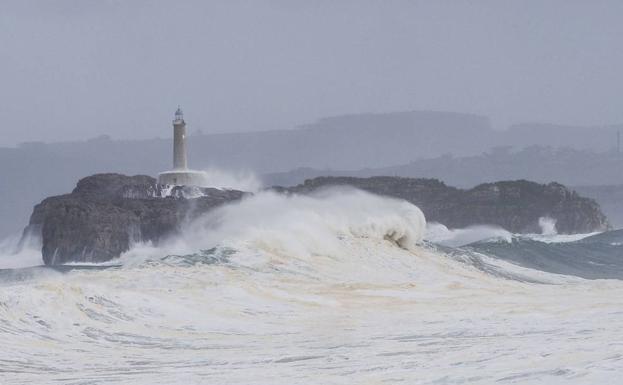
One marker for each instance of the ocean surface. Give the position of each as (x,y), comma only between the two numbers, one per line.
(338,288)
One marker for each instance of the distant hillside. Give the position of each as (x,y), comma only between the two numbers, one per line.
(593,138)
(541,164)
(347,142)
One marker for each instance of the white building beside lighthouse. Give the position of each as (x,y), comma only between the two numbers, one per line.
(180,175)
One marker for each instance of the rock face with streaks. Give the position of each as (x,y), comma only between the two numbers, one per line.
(106,213)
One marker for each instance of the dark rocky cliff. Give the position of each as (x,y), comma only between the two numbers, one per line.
(106,213)
(513,205)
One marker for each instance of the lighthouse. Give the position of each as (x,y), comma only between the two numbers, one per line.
(179,141)
(180,175)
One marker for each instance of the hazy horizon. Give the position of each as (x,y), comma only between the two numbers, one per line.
(74,70)
(303,125)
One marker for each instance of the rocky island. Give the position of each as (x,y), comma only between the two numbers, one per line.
(106,213)
(514,205)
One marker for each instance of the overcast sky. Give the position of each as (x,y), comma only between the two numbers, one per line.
(76,69)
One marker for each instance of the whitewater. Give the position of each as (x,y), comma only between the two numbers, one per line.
(340,287)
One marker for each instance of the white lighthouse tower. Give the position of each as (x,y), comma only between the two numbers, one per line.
(179,141)
(180,175)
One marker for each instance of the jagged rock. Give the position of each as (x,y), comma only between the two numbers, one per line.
(106,213)
(513,205)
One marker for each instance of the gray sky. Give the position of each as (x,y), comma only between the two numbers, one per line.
(81,68)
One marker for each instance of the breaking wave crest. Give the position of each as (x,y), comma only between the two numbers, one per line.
(296,226)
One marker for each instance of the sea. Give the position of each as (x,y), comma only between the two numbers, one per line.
(339,287)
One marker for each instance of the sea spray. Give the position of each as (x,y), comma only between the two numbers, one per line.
(300,226)
(548,226)
(19,251)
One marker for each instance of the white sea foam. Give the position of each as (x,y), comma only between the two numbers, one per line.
(438,233)
(329,289)
(558,238)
